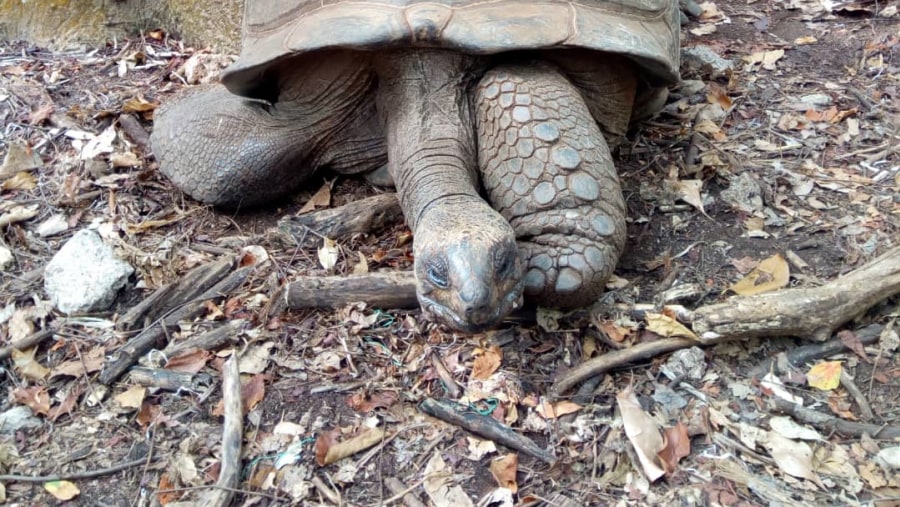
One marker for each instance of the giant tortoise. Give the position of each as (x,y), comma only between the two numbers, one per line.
(493,118)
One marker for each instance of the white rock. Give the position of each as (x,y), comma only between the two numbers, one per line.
(85,275)
(889,457)
(17,418)
(6,257)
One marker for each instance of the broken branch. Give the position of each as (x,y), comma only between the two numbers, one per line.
(485,427)
(392,289)
(805,312)
(362,216)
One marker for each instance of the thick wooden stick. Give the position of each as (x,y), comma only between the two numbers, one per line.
(616,358)
(232,437)
(393,289)
(485,427)
(364,215)
(831,423)
(812,313)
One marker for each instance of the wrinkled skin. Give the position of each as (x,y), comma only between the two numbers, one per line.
(501,163)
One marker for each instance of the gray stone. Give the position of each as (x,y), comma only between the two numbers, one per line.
(18,418)
(85,274)
(704,59)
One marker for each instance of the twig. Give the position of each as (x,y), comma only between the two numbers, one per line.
(453,389)
(853,390)
(806,353)
(90,474)
(401,492)
(232,436)
(616,358)
(326,491)
(26,343)
(485,427)
(832,423)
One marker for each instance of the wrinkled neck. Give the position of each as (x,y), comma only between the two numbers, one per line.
(423,102)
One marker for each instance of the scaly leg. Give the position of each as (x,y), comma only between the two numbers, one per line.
(547,169)
(232,151)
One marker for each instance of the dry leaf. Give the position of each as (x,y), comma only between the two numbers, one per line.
(664,325)
(19,181)
(549,410)
(329,450)
(771,274)
(26,364)
(253,392)
(132,398)
(486,362)
(19,157)
(89,363)
(689,192)
(642,432)
(361,267)
(851,341)
(138,105)
(18,214)
(321,199)
(678,445)
(126,159)
(504,471)
(191,361)
(793,458)
(808,39)
(62,490)
(328,253)
(439,487)
(35,397)
(825,376)
(362,403)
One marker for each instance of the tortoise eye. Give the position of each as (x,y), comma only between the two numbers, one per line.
(437,275)
(504,261)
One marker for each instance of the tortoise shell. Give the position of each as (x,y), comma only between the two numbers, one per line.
(647,31)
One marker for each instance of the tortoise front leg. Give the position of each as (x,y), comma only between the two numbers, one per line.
(547,169)
(227,150)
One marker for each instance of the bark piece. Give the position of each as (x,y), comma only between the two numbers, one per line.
(485,427)
(828,423)
(812,313)
(155,336)
(169,380)
(170,296)
(364,215)
(392,289)
(210,340)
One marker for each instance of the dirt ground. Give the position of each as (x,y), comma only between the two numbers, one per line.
(792,151)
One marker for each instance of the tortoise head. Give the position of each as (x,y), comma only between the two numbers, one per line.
(469,272)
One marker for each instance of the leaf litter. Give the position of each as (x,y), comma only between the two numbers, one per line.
(730,176)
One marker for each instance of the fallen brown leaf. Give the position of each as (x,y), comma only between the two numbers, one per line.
(487,362)
(35,397)
(191,361)
(642,432)
(329,450)
(362,403)
(504,471)
(771,274)
(677,446)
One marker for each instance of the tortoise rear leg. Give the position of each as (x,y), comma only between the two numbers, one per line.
(231,151)
(547,169)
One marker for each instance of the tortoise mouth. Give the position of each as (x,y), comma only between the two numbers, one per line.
(476,323)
